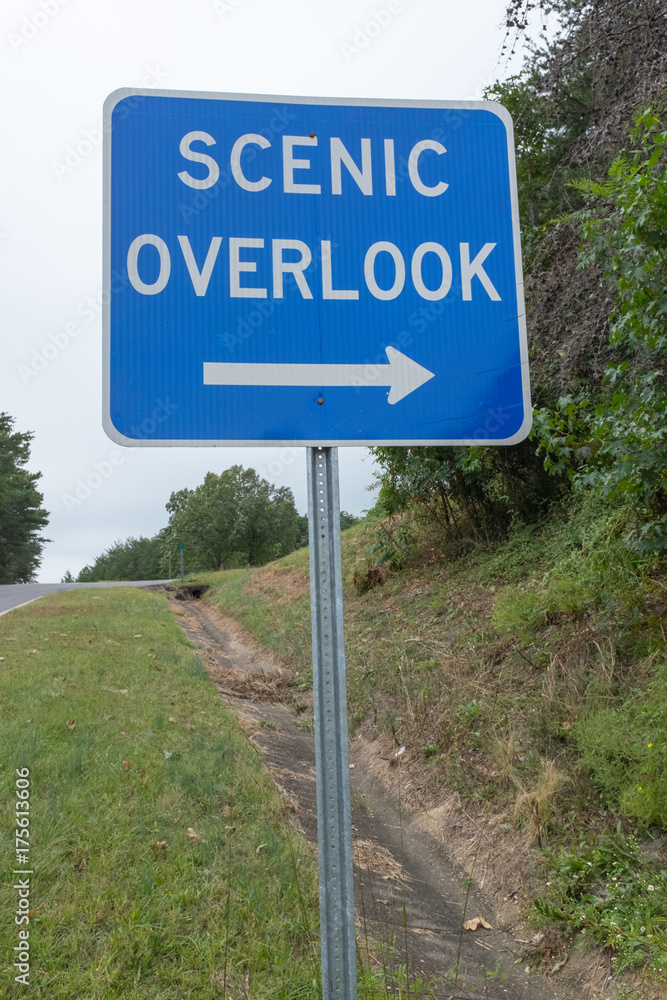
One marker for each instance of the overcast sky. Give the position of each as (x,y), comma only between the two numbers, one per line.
(60,60)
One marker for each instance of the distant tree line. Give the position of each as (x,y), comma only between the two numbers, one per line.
(231,520)
(134,559)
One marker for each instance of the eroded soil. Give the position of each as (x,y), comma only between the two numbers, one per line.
(402,862)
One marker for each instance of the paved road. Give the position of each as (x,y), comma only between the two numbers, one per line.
(13,595)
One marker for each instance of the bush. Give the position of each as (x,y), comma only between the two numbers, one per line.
(594,571)
(625,750)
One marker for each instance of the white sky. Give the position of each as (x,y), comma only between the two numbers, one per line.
(59,61)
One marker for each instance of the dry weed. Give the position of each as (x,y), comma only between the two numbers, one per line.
(372,576)
(607,659)
(536,805)
(370,856)
(505,750)
(265,687)
(549,683)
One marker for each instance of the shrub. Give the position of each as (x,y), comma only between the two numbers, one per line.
(625,750)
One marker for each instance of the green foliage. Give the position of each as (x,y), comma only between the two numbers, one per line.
(625,749)
(625,228)
(346,521)
(613,439)
(594,571)
(130,904)
(463,495)
(394,543)
(563,594)
(545,130)
(134,559)
(608,890)
(234,519)
(518,611)
(469,712)
(21,514)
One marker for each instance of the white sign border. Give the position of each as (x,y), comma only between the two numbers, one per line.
(497,109)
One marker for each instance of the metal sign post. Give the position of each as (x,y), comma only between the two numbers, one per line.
(181,550)
(334,821)
(169,554)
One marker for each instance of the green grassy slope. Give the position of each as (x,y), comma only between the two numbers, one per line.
(164,863)
(530,678)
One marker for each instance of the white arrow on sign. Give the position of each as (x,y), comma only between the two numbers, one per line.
(402,374)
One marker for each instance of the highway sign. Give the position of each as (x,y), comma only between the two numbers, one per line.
(311,272)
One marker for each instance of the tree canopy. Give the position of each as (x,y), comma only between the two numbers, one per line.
(134,559)
(233,519)
(21,514)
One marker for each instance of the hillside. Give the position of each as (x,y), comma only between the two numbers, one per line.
(526,681)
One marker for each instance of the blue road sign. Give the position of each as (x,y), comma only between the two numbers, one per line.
(311,272)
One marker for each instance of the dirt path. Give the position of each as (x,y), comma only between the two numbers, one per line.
(400,866)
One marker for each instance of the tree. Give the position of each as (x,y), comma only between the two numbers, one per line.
(302,536)
(178,500)
(607,60)
(134,559)
(21,514)
(233,519)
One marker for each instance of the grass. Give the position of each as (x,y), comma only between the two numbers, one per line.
(164,863)
(529,677)
(274,607)
(606,888)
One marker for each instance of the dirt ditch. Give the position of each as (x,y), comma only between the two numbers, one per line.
(411,899)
